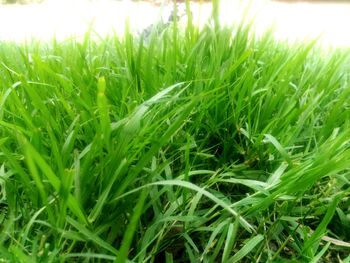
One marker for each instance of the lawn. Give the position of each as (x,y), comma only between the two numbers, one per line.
(177,145)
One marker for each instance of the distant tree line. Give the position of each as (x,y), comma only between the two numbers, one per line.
(19,1)
(38,1)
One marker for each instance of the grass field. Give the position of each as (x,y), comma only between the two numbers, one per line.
(178,146)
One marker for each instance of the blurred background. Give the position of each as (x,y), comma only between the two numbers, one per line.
(291,20)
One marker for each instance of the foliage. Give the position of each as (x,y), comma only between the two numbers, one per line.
(188,146)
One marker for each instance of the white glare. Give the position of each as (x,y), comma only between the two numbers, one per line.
(66,18)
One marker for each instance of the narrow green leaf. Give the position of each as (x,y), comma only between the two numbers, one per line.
(318,257)
(130,230)
(230,240)
(279,148)
(247,248)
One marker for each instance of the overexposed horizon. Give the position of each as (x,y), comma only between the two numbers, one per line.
(66,18)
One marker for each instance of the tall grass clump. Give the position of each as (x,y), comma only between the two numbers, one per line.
(182,145)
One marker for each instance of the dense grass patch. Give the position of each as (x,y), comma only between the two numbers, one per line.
(193,146)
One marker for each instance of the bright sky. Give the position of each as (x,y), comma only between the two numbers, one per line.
(65,18)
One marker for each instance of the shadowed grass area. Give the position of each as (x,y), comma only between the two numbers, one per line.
(177,146)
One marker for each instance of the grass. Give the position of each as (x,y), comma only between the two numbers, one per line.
(180,146)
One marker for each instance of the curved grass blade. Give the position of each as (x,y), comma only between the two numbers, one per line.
(247,248)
